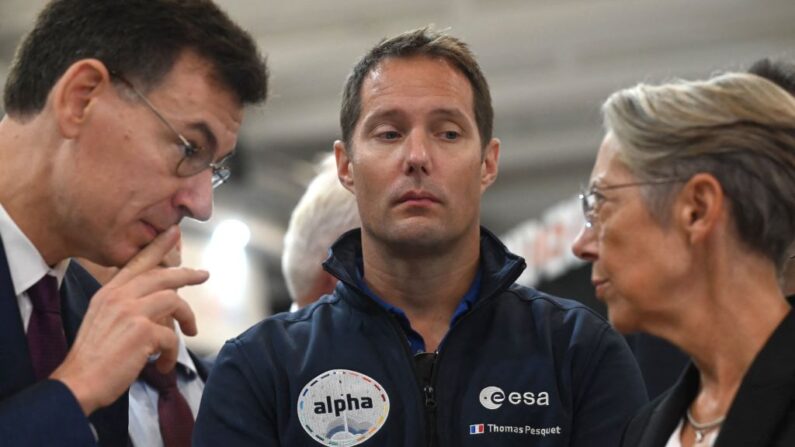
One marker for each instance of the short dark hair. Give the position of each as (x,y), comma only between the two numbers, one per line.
(419,42)
(779,72)
(140,39)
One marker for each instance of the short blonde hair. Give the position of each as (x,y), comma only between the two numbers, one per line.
(738,127)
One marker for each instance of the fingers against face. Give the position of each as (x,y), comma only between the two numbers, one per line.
(153,290)
(155,287)
(148,258)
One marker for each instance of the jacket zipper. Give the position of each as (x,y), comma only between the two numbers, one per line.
(429,390)
(428,387)
(425,364)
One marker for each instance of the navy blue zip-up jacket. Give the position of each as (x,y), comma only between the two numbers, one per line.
(520,368)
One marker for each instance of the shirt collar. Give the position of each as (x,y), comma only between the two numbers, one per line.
(25,263)
(466,303)
(183,358)
(27,267)
(469,298)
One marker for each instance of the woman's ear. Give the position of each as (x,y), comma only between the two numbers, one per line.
(699,207)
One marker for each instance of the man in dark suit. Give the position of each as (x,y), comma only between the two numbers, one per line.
(120,115)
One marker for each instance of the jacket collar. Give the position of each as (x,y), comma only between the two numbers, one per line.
(16,370)
(671,409)
(760,405)
(25,263)
(499,267)
(765,394)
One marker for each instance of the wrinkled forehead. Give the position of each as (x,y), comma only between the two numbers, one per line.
(416,85)
(417,72)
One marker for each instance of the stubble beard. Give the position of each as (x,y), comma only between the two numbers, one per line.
(408,240)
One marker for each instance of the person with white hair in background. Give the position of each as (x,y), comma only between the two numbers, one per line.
(324,213)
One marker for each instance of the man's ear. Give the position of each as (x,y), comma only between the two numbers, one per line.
(699,207)
(489,167)
(75,93)
(344,166)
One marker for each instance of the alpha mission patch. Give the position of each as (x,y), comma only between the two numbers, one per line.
(342,408)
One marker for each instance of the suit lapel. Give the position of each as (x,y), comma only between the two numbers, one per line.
(202,366)
(668,414)
(76,291)
(765,394)
(16,370)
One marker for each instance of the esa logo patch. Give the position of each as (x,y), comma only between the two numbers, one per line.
(492,398)
(342,408)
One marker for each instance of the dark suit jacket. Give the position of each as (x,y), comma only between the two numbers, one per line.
(202,365)
(762,413)
(46,413)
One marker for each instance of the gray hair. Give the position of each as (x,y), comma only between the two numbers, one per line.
(325,211)
(738,127)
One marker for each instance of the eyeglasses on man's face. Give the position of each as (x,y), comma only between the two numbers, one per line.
(195,158)
(592,197)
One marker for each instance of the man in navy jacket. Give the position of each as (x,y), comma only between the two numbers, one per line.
(426,339)
(119,117)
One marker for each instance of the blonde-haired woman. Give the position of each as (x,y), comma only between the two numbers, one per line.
(690,211)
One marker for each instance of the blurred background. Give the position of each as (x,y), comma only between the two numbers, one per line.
(550,64)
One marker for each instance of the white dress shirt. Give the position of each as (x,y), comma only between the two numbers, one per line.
(144,427)
(25,263)
(27,267)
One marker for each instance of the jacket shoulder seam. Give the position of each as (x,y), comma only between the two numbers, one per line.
(576,305)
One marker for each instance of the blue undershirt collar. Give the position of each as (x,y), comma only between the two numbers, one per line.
(415,341)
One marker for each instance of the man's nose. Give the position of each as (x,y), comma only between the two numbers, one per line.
(417,150)
(195,198)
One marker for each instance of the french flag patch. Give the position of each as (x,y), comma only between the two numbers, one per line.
(477,429)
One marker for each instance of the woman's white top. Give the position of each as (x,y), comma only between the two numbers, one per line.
(708,441)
